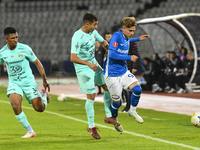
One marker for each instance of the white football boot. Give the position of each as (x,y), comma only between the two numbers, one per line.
(119,128)
(29,134)
(136,116)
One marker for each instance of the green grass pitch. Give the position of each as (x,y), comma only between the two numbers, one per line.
(63,125)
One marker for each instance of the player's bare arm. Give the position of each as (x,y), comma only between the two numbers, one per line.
(75,59)
(104,44)
(42,73)
(143,37)
(134,58)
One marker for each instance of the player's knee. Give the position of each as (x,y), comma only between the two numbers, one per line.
(39,109)
(137,90)
(15,106)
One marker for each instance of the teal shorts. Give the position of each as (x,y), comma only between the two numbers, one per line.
(30,91)
(88,78)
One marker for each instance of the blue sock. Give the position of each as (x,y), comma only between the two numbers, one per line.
(23,121)
(44,99)
(114,108)
(107,103)
(90,111)
(135,96)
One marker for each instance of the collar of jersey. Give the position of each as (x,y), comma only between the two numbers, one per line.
(123,35)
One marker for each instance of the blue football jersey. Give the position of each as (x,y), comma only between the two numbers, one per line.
(115,64)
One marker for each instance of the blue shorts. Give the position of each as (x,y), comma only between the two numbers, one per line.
(88,78)
(30,91)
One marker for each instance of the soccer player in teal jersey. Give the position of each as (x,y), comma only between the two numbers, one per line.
(21,80)
(88,70)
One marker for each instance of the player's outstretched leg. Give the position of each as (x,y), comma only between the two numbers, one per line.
(114,111)
(24,122)
(134,102)
(107,104)
(90,116)
(94,132)
(119,128)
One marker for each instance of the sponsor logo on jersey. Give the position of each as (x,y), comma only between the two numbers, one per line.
(20,55)
(122,51)
(115,44)
(94,36)
(12,56)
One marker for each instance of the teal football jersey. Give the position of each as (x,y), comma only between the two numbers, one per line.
(83,44)
(17,63)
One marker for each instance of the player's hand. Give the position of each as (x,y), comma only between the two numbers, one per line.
(143,37)
(134,58)
(93,66)
(134,71)
(46,85)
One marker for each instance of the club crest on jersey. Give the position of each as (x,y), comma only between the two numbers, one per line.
(20,55)
(115,44)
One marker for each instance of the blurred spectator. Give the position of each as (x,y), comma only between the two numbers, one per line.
(188,66)
(108,36)
(190,50)
(161,77)
(175,76)
(152,73)
(183,53)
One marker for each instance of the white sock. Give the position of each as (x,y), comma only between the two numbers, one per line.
(133,108)
(91,126)
(108,116)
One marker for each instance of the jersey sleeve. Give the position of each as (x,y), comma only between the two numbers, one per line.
(30,54)
(114,42)
(117,56)
(134,39)
(75,45)
(99,38)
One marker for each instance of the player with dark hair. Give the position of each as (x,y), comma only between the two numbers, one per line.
(116,74)
(21,80)
(88,71)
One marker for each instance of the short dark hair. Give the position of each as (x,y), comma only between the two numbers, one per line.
(9,30)
(173,52)
(89,17)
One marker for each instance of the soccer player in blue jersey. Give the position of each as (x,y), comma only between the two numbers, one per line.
(21,80)
(116,74)
(88,71)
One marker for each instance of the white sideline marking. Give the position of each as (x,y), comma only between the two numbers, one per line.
(103,126)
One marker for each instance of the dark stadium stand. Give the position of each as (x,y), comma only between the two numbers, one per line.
(47,26)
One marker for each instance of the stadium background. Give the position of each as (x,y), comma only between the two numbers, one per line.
(47,26)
